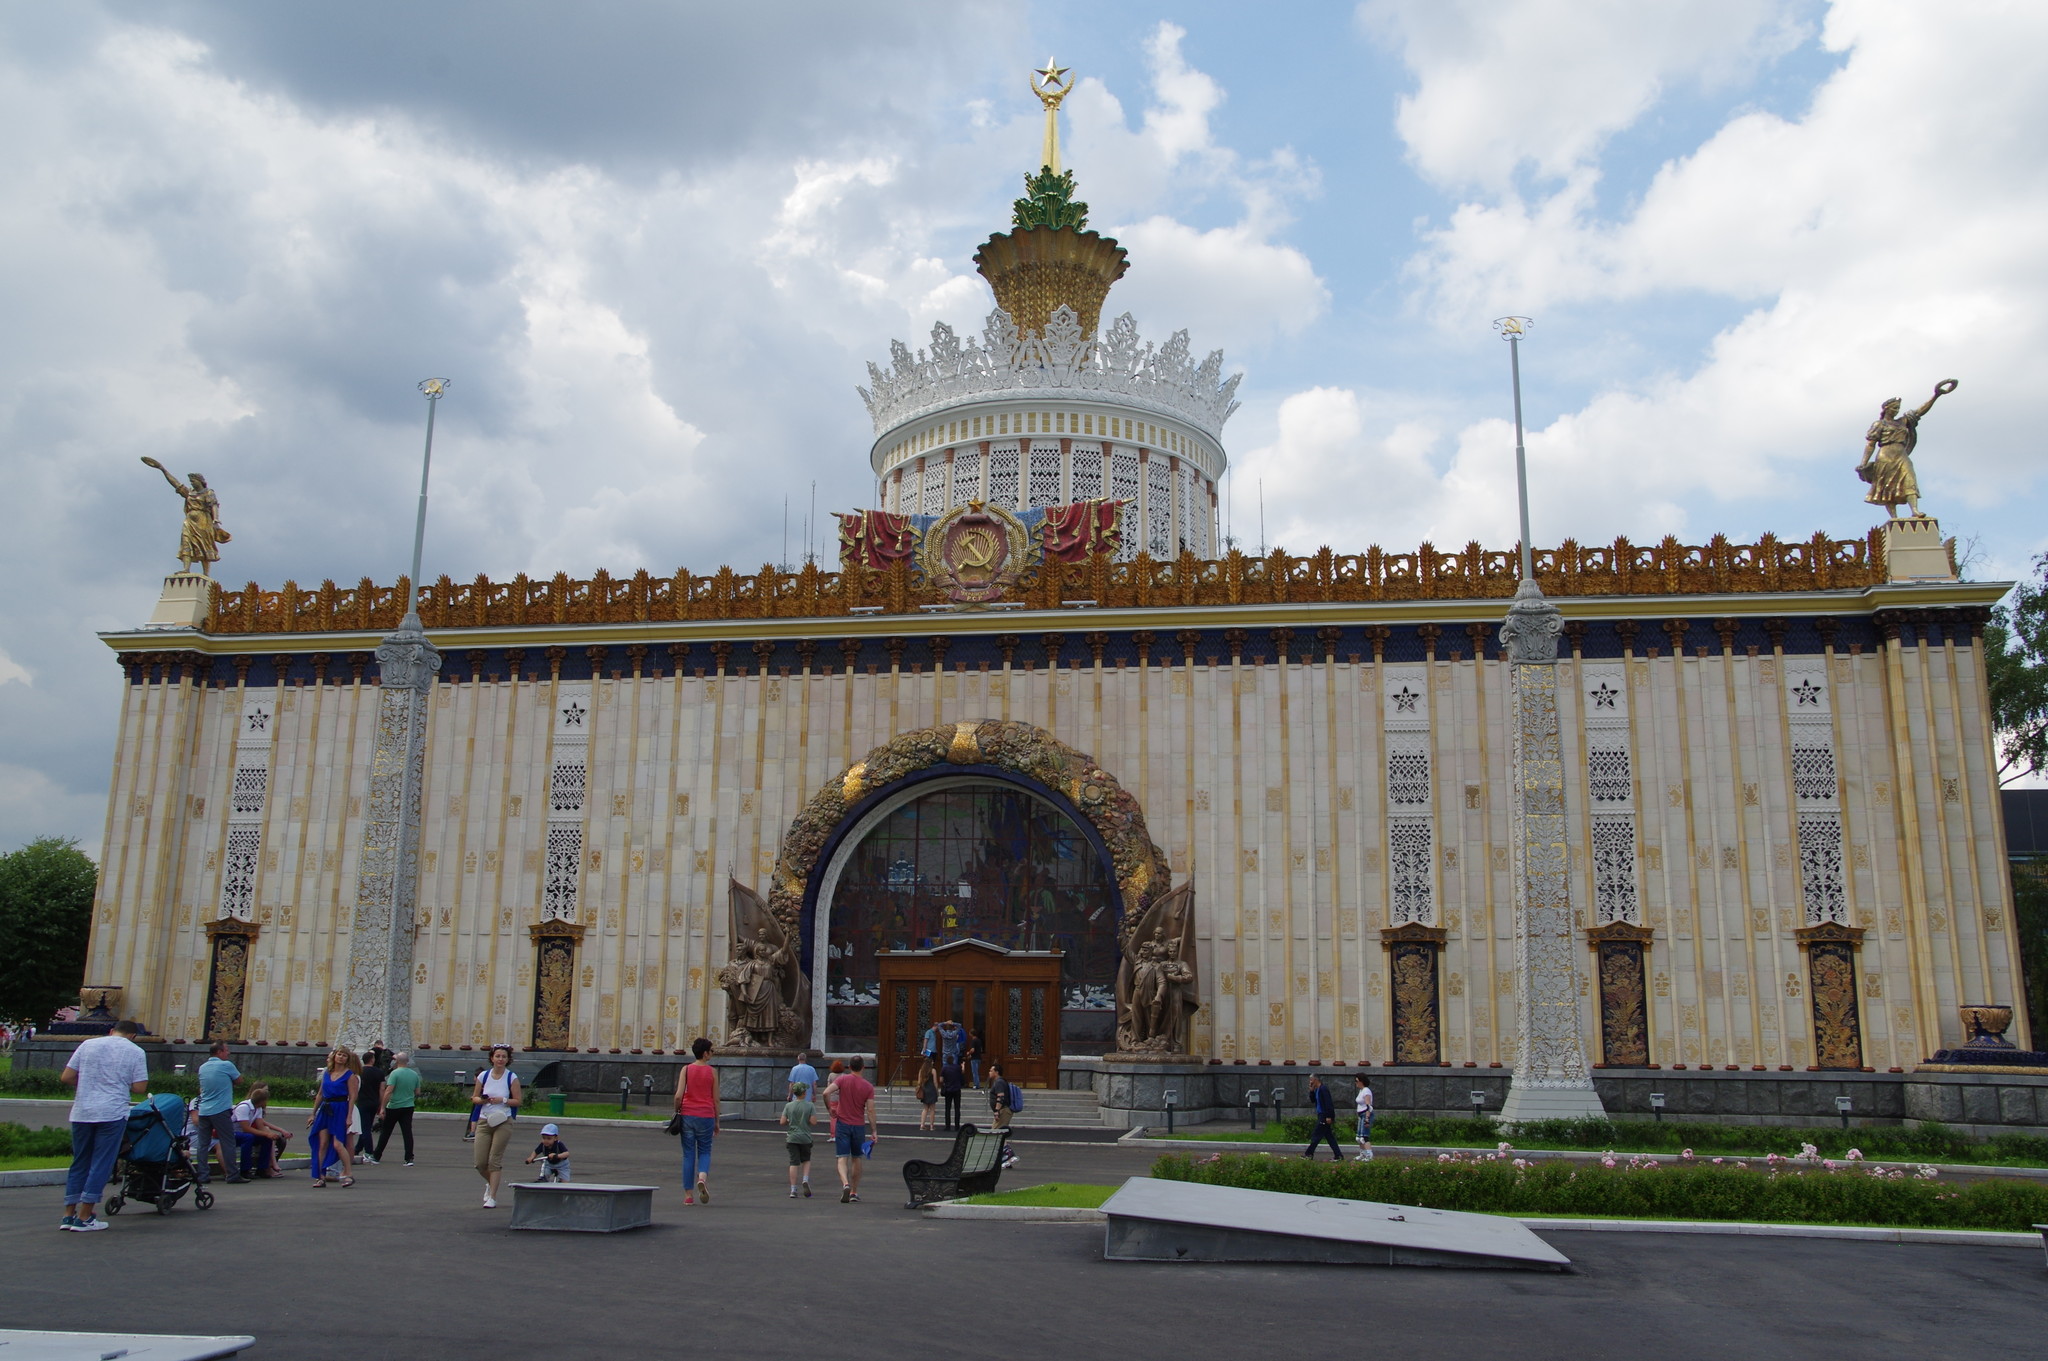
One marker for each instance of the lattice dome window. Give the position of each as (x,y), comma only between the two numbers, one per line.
(967,476)
(1086,476)
(238,880)
(252,783)
(564,860)
(1409,852)
(934,486)
(1614,869)
(1003,475)
(1158,508)
(1045,475)
(565,787)
(1820,868)
(1608,776)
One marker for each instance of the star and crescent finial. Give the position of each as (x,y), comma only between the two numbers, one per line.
(1045,83)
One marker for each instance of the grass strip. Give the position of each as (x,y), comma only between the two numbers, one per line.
(1757,1194)
(1064,1195)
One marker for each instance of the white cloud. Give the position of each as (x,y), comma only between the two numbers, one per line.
(1889,236)
(12,672)
(1545,83)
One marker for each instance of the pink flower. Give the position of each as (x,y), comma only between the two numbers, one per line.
(1607,1161)
(1687,1153)
(1506,1147)
(1854,1155)
(1829,1164)
(1443,1157)
(1808,1152)
(1522,1163)
(1927,1173)
(1717,1161)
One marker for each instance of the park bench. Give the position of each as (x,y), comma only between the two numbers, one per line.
(972,1169)
(581,1206)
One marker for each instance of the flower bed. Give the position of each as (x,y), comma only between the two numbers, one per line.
(1926,1142)
(19,1141)
(1774,1190)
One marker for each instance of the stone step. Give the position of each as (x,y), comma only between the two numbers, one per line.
(1043,1107)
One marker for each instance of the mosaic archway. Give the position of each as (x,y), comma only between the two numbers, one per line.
(1029,755)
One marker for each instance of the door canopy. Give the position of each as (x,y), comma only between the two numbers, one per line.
(1019,749)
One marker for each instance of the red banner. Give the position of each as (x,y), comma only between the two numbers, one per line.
(1075,532)
(875,538)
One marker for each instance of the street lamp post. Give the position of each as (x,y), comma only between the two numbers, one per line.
(1551,1078)
(433,389)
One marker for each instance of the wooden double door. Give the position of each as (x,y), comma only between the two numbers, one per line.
(1010,998)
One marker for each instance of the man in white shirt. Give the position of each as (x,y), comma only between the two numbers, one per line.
(107,1071)
(1361,1104)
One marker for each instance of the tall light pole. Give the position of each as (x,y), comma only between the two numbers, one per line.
(434,388)
(1512,329)
(377,1005)
(1551,1078)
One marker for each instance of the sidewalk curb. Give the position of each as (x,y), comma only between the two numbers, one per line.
(1031,1214)
(56,1176)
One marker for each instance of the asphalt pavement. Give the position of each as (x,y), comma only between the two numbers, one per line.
(407,1263)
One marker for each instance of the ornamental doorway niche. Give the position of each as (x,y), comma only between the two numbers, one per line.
(979,858)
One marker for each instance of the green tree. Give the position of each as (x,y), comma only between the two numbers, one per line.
(46,891)
(2016,668)
(2030,914)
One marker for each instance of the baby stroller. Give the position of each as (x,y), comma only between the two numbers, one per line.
(156,1161)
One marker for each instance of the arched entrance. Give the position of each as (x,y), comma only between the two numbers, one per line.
(967,797)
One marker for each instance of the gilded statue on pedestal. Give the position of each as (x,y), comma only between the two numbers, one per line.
(201,537)
(1155,983)
(1888,454)
(767,993)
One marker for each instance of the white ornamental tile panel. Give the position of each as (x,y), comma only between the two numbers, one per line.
(259,709)
(1609,780)
(252,784)
(967,475)
(1820,868)
(1045,474)
(1806,688)
(238,880)
(1158,508)
(1086,475)
(1614,869)
(566,788)
(1404,695)
(1408,770)
(572,712)
(564,864)
(1814,779)
(933,497)
(1410,863)
(1003,475)
(1184,489)
(1603,695)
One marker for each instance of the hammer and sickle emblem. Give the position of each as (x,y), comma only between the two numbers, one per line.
(977,548)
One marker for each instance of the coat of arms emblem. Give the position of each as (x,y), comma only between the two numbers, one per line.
(977,553)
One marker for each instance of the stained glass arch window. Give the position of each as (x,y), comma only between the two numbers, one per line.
(973,860)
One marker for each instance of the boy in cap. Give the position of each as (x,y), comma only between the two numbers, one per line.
(552,1151)
(796,1118)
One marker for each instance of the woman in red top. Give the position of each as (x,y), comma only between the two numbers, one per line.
(697,1103)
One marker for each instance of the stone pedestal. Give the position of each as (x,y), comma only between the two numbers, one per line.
(1551,1079)
(378,1003)
(1915,551)
(185,603)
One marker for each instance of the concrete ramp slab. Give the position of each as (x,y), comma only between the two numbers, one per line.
(1179,1221)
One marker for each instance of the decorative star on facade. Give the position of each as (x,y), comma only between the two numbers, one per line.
(1805,694)
(258,722)
(1404,700)
(573,715)
(1604,696)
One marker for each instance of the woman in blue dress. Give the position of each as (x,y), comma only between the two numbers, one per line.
(327,1131)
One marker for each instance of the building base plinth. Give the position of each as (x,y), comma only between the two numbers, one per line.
(1526,1103)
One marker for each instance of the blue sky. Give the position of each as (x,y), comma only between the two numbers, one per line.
(656,244)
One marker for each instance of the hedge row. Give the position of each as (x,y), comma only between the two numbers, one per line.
(19,1141)
(1928,1142)
(1690,1191)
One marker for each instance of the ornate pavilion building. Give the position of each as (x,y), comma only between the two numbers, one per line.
(964,770)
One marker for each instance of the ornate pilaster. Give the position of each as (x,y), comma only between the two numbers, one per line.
(1551,1078)
(378,1004)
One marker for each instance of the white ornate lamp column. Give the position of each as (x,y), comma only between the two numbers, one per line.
(1551,1078)
(378,1003)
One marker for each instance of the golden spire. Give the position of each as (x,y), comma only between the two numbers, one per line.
(1046,85)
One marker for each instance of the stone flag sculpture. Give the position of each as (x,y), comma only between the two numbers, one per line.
(767,993)
(1155,982)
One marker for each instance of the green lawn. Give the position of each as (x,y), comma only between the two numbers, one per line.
(32,1164)
(1052,1194)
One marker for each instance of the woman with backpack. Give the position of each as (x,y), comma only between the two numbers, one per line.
(496,1094)
(998,1095)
